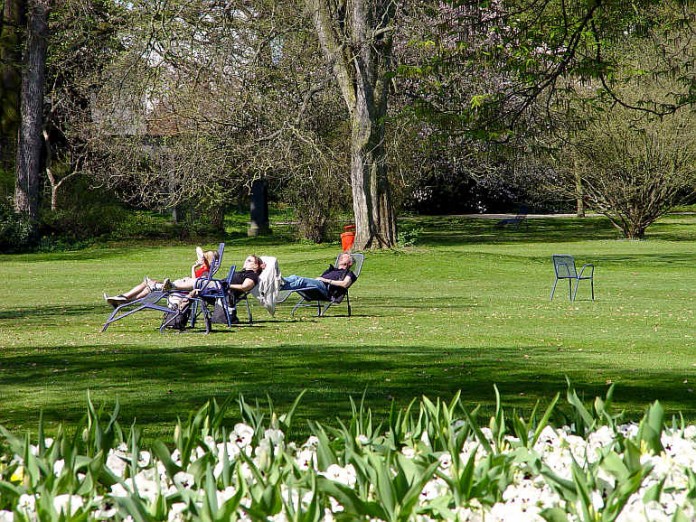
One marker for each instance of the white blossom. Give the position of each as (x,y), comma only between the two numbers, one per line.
(345,475)
(67,504)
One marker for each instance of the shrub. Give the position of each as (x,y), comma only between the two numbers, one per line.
(145,225)
(409,234)
(81,223)
(17,234)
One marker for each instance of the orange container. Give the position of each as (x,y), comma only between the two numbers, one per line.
(347,240)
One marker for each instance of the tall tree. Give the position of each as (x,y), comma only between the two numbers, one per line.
(31,111)
(11,23)
(356,37)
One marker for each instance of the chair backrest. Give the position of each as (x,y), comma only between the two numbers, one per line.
(358,260)
(564,265)
(230,274)
(204,283)
(218,263)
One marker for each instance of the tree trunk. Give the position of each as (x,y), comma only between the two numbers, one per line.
(31,116)
(375,224)
(10,61)
(579,193)
(356,39)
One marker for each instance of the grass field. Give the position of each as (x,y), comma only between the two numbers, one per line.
(466,308)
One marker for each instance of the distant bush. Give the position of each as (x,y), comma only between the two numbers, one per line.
(145,225)
(409,234)
(151,225)
(82,223)
(16,233)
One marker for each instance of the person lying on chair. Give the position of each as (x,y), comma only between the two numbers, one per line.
(199,269)
(242,282)
(333,282)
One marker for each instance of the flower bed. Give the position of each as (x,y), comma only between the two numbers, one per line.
(433,461)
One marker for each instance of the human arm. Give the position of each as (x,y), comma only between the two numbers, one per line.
(245,286)
(343,283)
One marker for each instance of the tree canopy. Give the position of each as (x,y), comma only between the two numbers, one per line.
(185,103)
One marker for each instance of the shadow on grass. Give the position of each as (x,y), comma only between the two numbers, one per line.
(39,313)
(43,311)
(454,230)
(157,385)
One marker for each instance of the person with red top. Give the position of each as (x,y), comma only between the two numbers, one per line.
(199,269)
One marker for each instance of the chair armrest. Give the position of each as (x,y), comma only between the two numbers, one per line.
(588,265)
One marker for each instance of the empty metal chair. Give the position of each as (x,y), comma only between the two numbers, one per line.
(564,267)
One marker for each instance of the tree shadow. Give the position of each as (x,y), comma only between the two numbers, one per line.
(180,379)
(454,230)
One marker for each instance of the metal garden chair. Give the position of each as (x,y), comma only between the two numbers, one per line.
(564,267)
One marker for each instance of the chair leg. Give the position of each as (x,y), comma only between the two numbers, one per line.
(298,305)
(575,292)
(251,320)
(348,303)
(553,289)
(194,311)
(226,309)
(592,287)
(570,289)
(207,320)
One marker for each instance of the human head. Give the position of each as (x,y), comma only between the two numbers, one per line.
(253,262)
(345,261)
(209,257)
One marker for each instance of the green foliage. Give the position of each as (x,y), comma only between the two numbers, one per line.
(151,225)
(444,466)
(17,234)
(146,225)
(84,223)
(408,234)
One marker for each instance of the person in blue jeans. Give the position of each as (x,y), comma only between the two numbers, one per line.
(332,283)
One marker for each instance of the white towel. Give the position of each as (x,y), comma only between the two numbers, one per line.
(270,281)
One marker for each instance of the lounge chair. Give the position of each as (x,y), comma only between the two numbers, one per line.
(310,297)
(158,300)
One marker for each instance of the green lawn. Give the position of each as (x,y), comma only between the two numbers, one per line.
(465,309)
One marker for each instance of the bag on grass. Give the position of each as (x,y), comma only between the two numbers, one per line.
(180,313)
(219,316)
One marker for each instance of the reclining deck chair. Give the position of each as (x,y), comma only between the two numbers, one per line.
(181,303)
(150,302)
(153,301)
(515,222)
(311,297)
(216,293)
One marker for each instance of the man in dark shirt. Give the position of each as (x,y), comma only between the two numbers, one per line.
(332,283)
